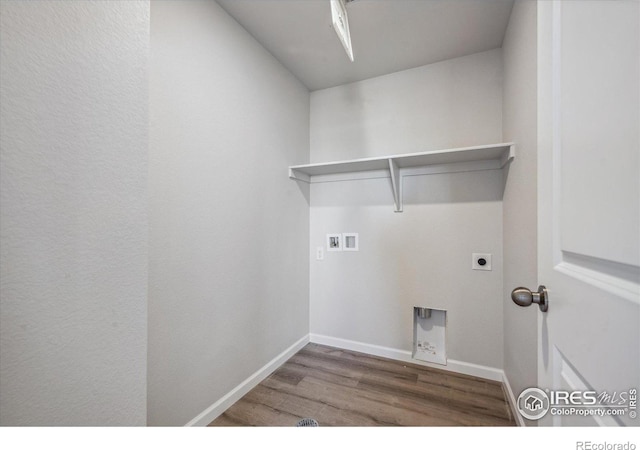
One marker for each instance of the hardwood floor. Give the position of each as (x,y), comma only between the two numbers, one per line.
(344,388)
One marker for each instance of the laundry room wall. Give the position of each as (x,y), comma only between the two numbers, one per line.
(73,223)
(422,256)
(229,232)
(520,197)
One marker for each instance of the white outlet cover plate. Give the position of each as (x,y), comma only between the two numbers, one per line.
(475,257)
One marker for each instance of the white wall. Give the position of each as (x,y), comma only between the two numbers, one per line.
(454,103)
(520,196)
(229,232)
(73,253)
(422,256)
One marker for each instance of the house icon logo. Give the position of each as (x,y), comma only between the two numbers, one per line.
(533,403)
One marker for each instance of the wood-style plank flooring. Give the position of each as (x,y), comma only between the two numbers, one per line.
(344,388)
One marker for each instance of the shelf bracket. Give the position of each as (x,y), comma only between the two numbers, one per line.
(508,156)
(297,175)
(396,184)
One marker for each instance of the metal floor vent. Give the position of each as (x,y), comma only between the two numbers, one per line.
(307,423)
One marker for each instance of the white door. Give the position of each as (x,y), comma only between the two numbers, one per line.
(589,202)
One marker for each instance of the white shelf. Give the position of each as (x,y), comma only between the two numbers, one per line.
(482,157)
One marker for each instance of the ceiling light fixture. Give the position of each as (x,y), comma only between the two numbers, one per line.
(341,24)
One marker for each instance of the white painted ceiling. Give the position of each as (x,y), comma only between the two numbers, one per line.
(387,35)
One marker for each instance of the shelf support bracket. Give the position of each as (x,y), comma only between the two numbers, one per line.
(396,184)
(296,175)
(508,156)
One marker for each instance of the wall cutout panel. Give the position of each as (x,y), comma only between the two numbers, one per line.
(350,242)
(429,335)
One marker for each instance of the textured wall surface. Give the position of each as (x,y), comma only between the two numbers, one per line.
(229,232)
(520,196)
(421,257)
(73,223)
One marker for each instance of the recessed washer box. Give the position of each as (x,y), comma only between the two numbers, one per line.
(481,261)
(334,242)
(429,335)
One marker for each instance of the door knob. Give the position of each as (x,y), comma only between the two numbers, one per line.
(522,296)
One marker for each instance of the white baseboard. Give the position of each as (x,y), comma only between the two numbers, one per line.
(208,415)
(512,400)
(476,370)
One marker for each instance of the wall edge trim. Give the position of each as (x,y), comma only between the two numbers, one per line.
(512,400)
(466,368)
(212,412)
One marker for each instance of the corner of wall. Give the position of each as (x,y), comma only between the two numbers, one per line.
(520,196)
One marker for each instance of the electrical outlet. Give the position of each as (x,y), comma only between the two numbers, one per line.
(481,261)
(319,253)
